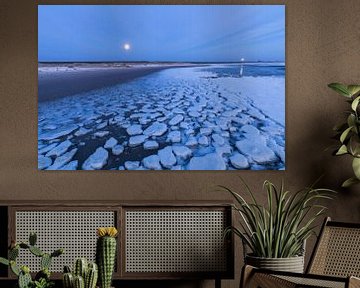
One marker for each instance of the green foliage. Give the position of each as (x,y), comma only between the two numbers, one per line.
(42,278)
(280,229)
(349,131)
(42,283)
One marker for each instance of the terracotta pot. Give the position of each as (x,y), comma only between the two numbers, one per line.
(291,264)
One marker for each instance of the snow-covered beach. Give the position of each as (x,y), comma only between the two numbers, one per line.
(180,118)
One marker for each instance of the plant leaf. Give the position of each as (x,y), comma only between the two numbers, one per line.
(349,182)
(356,167)
(340,88)
(355,103)
(353,89)
(345,134)
(342,150)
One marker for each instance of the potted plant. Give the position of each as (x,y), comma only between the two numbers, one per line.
(348,132)
(276,233)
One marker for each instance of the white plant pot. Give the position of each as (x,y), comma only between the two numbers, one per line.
(291,264)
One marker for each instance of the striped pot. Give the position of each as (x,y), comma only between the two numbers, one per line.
(291,264)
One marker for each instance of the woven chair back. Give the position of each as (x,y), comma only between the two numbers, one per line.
(337,252)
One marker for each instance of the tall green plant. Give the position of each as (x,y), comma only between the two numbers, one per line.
(349,131)
(279,229)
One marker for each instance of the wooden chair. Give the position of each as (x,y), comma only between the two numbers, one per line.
(335,262)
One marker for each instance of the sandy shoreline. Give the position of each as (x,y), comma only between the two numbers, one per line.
(58,81)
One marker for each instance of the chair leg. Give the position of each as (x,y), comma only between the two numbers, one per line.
(217,283)
(246,274)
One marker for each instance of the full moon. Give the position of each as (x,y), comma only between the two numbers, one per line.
(127,46)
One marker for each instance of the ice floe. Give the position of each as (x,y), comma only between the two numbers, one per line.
(97,160)
(152,162)
(134,130)
(137,140)
(211,161)
(156,129)
(59,149)
(150,145)
(110,143)
(167,157)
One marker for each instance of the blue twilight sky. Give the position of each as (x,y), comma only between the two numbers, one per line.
(204,33)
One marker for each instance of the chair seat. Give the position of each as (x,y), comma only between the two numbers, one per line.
(314,282)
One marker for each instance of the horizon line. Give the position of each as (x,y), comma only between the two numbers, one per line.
(141,61)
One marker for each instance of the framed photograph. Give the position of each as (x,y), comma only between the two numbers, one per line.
(161,87)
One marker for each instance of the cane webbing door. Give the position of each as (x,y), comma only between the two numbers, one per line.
(167,241)
(73,230)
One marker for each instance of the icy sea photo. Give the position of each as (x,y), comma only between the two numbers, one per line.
(161,87)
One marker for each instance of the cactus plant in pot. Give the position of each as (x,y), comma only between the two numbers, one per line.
(275,233)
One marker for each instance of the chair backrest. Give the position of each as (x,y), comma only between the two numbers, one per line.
(337,251)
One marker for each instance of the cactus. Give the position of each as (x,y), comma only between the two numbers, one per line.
(106,254)
(14,268)
(68,280)
(13,253)
(79,282)
(45,261)
(91,276)
(24,280)
(80,268)
(36,251)
(90,272)
(32,239)
(42,278)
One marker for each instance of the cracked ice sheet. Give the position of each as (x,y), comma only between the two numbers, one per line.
(165,90)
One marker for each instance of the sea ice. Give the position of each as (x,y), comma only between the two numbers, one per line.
(134,130)
(191,141)
(203,140)
(167,157)
(101,134)
(82,131)
(43,162)
(259,152)
(176,120)
(62,160)
(60,149)
(182,152)
(220,141)
(174,137)
(132,165)
(47,148)
(70,166)
(156,129)
(97,160)
(151,144)
(117,149)
(205,131)
(137,140)
(57,133)
(152,162)
(110,143)
(239,161)
(212,161)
